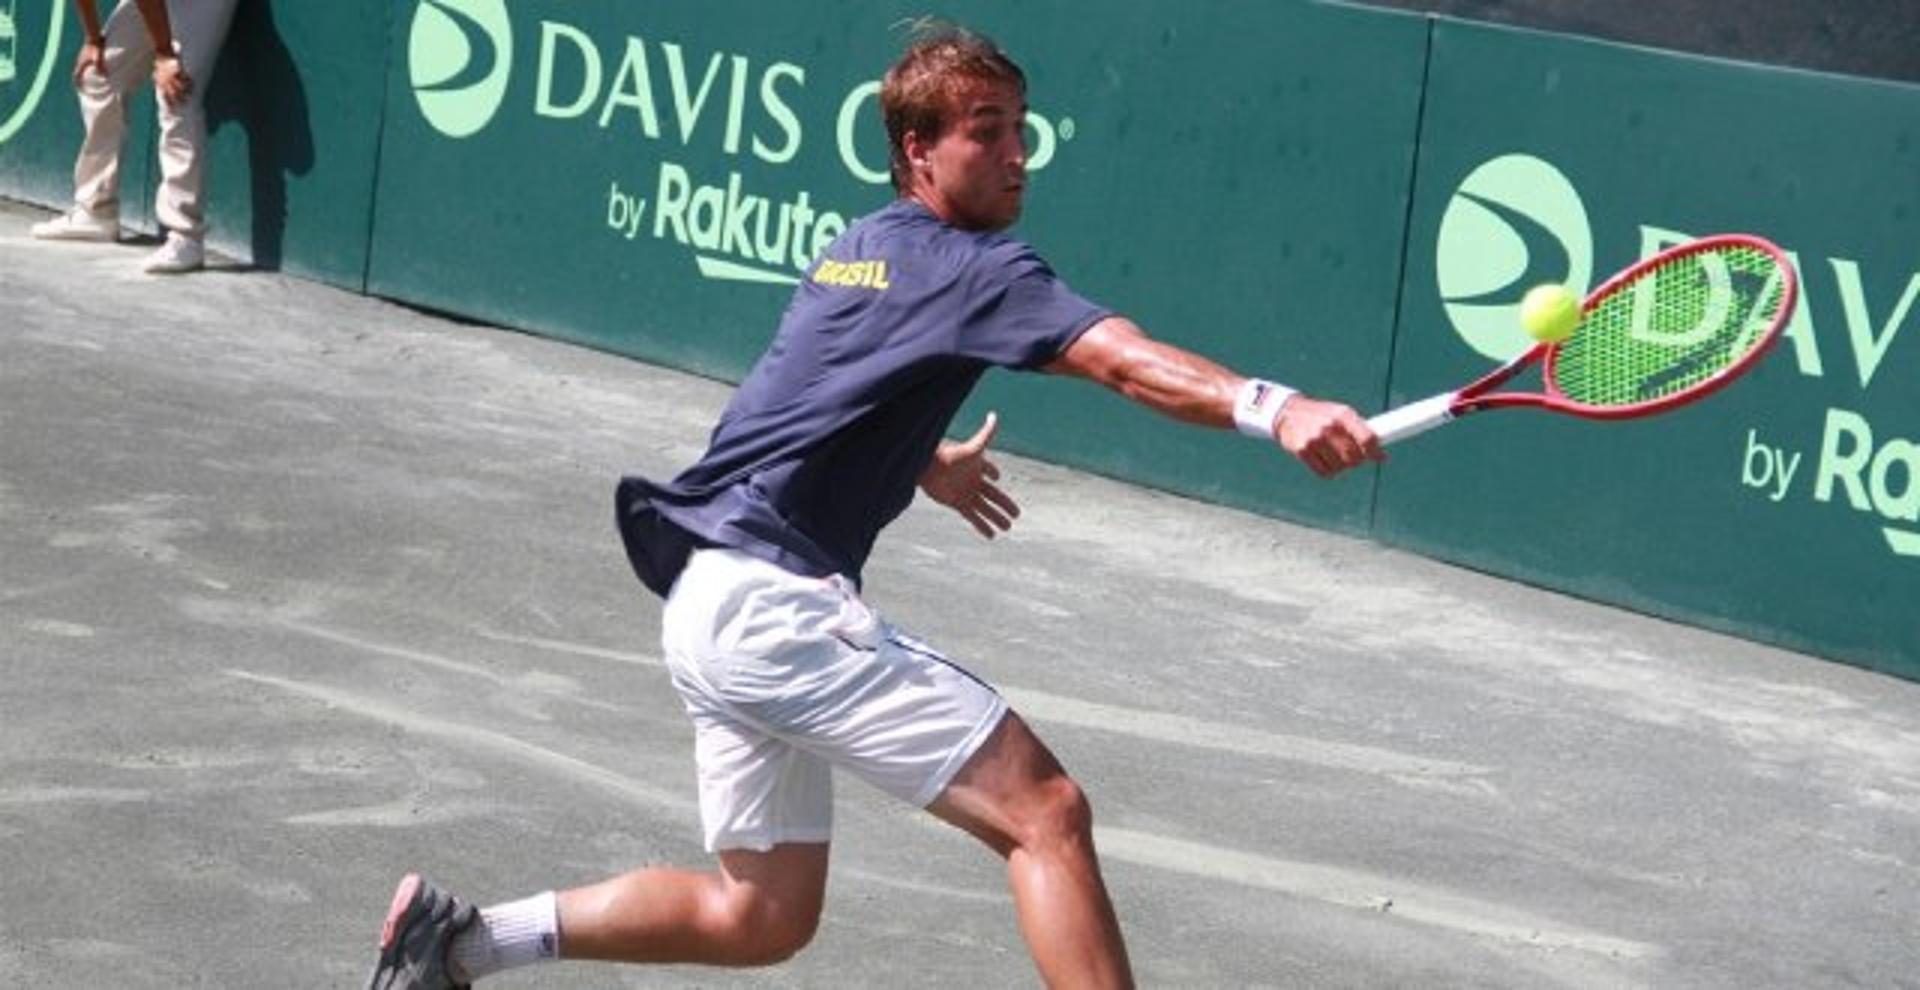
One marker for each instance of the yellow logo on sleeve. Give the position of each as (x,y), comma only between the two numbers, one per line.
(853,274)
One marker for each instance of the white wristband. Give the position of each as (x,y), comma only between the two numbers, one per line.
(1257,408)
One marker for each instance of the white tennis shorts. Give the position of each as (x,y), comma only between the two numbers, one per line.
(786,677)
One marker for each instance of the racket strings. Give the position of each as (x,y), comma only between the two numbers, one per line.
(1676,325)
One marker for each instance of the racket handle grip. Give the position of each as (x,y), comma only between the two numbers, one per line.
(1412,418)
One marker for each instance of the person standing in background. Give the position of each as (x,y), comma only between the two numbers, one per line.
(177,42)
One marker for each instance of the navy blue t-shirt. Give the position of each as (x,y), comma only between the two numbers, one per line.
(824,442)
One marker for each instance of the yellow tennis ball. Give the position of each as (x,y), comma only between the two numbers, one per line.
(1550,313)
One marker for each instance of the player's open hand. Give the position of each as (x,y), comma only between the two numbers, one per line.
(962,479)
(1326,436)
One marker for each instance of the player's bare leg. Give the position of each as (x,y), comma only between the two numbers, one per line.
(1014,796)
(759,908)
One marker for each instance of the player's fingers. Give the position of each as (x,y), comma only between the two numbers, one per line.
(1342,449)
(980,523)
(993,516)
(1313,453)
(1363,435)
(1001,500)
(988,509)
(989,470)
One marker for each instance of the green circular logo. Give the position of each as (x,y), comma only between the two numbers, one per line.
(1516,222)
(21,90)
(458,55)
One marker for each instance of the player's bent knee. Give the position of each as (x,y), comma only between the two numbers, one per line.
(768,930)
(1058,814)
(768,946)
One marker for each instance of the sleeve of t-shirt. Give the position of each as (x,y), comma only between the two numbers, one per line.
(1020,315)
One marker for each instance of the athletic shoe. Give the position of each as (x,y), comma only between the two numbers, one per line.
(179,254)
(418,932)
(78,224)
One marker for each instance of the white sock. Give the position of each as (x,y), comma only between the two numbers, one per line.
(509,935)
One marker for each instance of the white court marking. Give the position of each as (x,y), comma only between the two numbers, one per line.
(1355,889)
(1327,884)
(576,649)
(1165,727)
(473,737)
(1140,723)
(31,794)
(564,690)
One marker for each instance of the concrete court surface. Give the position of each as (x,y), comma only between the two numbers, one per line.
(300,590)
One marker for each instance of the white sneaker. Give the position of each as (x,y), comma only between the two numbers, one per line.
(179,254)
(78,224)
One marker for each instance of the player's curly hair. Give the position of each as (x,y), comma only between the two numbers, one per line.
(918,92)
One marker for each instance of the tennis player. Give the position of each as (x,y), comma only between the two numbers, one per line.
(758,549)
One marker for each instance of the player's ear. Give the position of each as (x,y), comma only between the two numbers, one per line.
(915,149)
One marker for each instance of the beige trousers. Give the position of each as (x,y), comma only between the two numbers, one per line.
(199,28)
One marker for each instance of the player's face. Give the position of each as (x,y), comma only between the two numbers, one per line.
(977,170)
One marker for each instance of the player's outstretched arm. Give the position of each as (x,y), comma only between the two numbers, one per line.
(1327,437)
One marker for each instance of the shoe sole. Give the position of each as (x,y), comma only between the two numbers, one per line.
(403,897)
(391,929)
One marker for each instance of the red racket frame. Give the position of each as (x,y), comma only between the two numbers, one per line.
(1475,397)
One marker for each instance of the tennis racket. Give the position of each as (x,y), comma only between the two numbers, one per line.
(1668,331)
